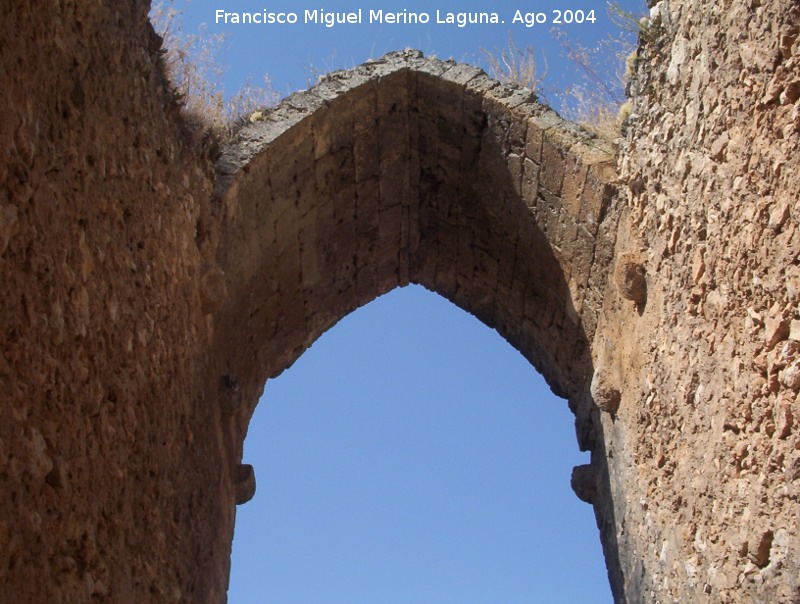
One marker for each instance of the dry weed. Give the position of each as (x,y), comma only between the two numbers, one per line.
(514,65)
(191,63)
(596,98)
(638,25)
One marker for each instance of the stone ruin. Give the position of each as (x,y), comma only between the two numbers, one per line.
(151,287)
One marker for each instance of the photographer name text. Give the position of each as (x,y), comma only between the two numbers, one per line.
(332,19)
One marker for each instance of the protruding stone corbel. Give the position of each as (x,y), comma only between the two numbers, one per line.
(213,290)
(605,391)
(629,277)
(245,483)
(230,394)
(584,482)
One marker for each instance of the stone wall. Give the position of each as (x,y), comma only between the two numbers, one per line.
(711,370)
(109,457)
(148,297)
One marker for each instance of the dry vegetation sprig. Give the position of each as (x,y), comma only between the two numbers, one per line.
(515,65)
(249,100)
(596,99)
(192,65)
(627,21)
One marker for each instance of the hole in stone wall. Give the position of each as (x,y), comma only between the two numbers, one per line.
(412,455)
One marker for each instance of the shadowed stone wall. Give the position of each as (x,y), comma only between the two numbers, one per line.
(149,295)
(109,456)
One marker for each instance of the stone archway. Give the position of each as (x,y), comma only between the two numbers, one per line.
(412,170)
(117,451)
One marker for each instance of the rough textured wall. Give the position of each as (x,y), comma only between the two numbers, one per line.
(108,461)
(710,371)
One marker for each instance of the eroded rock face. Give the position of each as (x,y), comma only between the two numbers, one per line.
(108,448)
(213,289)
(245,481)
(714,143)
(584,482)
(605,390)
(630,278)
(144,311)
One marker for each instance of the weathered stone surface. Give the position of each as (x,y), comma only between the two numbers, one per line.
(104,199)
(629,275)
(213,290)
(120,450)
(760,554)
(584,482)
(605,390)
(230,394)
(245,483)
(713,150)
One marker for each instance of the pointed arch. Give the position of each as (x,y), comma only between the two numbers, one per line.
(413,170)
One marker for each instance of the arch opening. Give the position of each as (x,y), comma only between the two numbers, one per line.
(410,170)
(412,455)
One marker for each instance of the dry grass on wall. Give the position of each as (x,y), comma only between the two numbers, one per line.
(596,99)
(191,63)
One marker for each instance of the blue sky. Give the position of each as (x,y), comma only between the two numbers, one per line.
(410,455)
(291,54)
